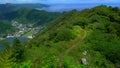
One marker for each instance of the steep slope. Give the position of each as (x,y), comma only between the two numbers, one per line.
(77,39)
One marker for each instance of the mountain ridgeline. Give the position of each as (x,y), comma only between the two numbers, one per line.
(25,14)
(77,39)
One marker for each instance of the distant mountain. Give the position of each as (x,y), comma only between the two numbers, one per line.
(26,13)
(32,5)
(7,8)
(10,7)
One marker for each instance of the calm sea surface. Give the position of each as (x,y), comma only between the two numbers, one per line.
(68,7)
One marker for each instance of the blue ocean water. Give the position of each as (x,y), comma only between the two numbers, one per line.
(68,7)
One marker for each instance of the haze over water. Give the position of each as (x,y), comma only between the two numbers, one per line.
(68,7)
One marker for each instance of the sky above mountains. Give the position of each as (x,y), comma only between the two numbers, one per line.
(60,1)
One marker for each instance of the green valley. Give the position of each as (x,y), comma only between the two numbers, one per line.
(21,18)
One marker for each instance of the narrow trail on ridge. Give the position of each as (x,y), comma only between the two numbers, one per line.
(76,43)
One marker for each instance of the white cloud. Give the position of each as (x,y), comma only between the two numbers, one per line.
(16,1)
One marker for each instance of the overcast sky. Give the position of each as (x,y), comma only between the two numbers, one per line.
(60,1)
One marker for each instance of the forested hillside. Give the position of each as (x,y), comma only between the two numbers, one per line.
(77,39)
(6,27)
(26,15)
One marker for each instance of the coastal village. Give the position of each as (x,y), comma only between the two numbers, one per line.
(24,30)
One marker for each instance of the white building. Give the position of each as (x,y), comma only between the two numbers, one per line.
(30,37)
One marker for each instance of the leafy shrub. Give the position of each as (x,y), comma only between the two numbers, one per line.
(64,35)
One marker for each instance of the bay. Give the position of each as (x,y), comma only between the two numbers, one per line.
(11,40)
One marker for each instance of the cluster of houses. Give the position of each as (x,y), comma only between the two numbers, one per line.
(22,29)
